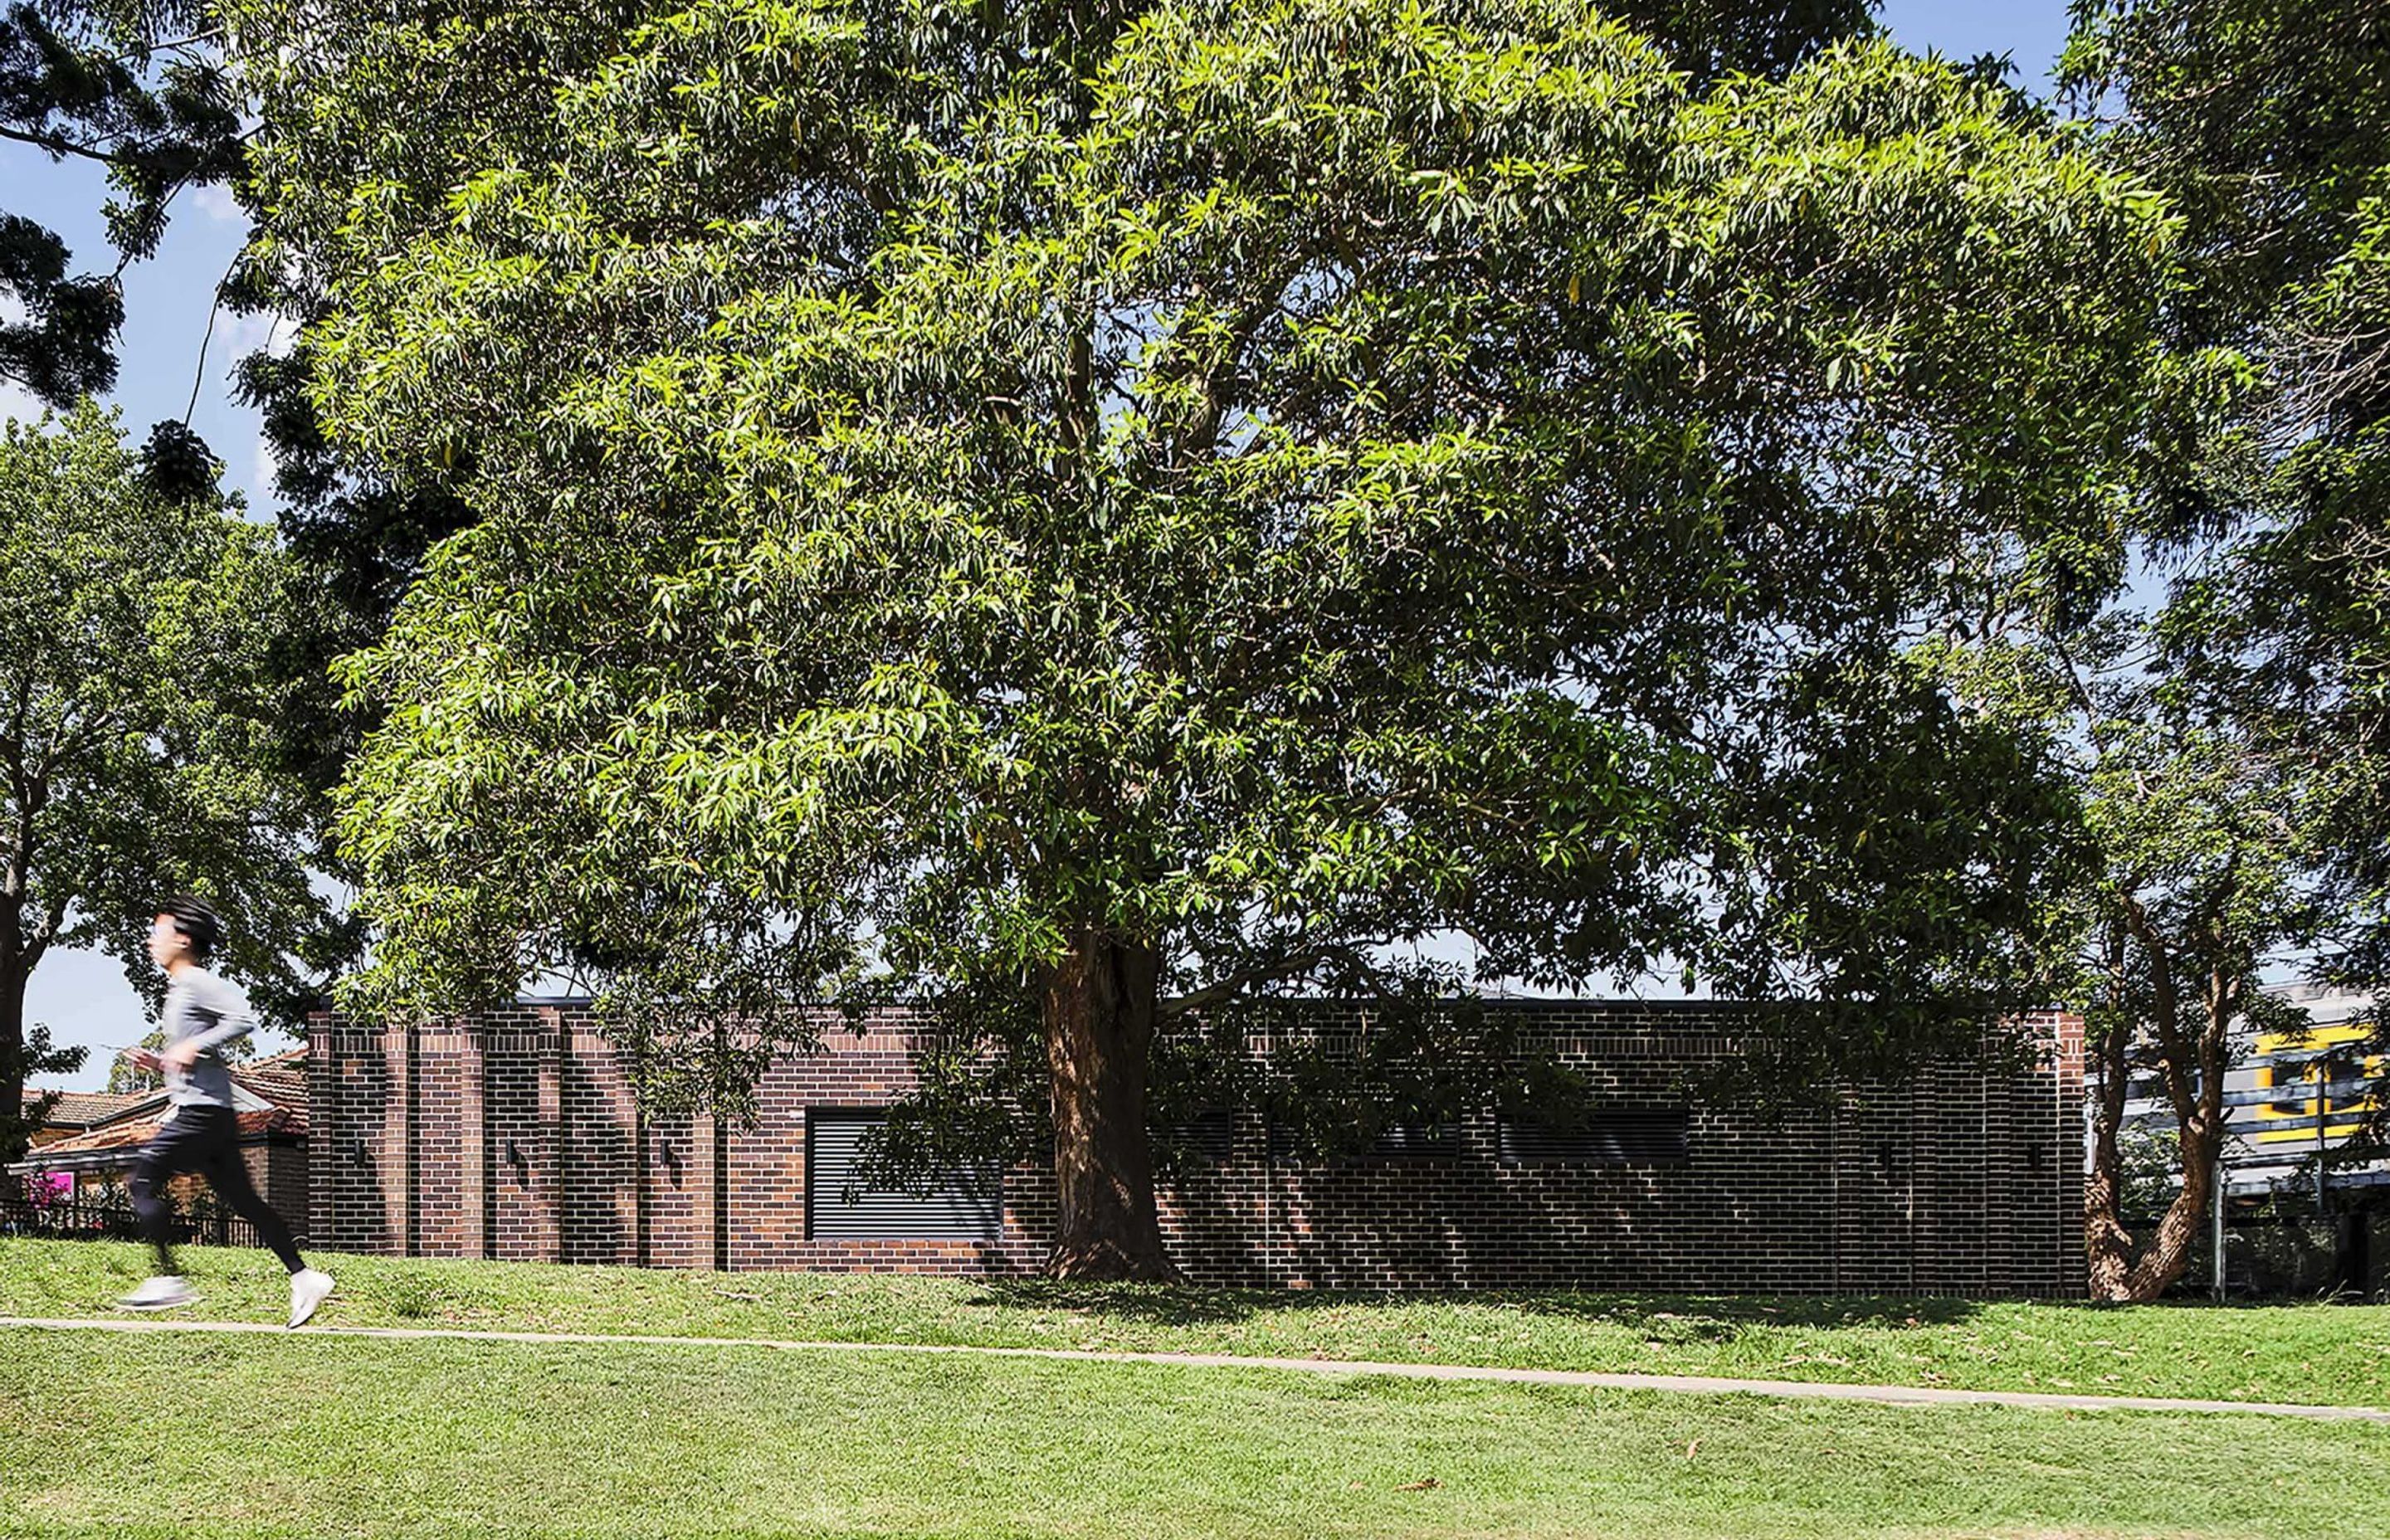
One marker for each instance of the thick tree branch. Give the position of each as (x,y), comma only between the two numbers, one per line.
(2173,1051)
(58,145)
(1261,973)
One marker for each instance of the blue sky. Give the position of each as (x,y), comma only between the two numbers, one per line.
(166,306)
(2029,32)
(81,997)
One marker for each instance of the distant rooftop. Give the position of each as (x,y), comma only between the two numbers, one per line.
(82,1108)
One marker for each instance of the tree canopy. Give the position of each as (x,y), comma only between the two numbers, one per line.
(2268,128)
(143,743)
(129,85)
(1090,513)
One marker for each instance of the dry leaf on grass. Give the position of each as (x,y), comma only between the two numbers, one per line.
(1425,1483)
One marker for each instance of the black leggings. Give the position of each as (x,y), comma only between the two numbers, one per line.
(205,1139)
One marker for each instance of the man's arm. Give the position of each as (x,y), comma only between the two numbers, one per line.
(234,1020)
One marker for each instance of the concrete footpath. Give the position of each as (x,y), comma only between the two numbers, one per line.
(1682,1385)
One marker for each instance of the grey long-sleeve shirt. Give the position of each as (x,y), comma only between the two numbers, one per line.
(203,1009)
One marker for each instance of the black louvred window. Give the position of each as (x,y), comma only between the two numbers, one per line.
(1398,1140)
(966,1204)
(1395,1141)
(1609,1136)
(1208,1138)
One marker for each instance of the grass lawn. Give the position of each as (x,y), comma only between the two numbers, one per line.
(2335,1355)
(145,1437)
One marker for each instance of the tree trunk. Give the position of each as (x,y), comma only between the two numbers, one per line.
(2117,1276)
(2106,1243)
(1099,1013)
(15,1132)
(2169,1249)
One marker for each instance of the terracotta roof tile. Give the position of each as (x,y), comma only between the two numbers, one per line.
(274,1084)
(82,1109)
(133,1133)
(280,1079)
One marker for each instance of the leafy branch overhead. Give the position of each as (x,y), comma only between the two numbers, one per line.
(139,89)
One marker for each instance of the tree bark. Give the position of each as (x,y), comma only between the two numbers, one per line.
(2106,1242)
(1099,1011)
(2116,1276)
(15,1132)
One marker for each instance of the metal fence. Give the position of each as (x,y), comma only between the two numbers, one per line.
(106,1213)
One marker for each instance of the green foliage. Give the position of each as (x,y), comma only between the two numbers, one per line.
(1272,485)
(124,1076)
(2265,123)
(1910,840)
(2268,127)
(129,84)
(2191,876)
(1712,38)
(61,348)
(137,642)
(40,1056)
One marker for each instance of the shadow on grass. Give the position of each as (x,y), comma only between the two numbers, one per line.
(1685,1317)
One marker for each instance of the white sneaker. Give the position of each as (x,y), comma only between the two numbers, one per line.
(308,1289)
(158,1293)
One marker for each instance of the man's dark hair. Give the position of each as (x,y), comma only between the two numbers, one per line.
(196,922)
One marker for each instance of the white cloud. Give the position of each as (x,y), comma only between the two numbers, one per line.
(215,201)
(17,403)
(264,464)
(241,335)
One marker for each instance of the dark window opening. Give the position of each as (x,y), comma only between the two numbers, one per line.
(962,1204)
(1402,1140)
(1609,1136)
(1208,1138)
(1396,1141)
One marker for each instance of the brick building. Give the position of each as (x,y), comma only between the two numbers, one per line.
(514,1135)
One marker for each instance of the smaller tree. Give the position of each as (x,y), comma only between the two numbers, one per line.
(127,1078)
(2197,876)
(43,1056)
(2266,125)
(141,724)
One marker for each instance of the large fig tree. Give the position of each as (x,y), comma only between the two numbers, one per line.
(1085,511)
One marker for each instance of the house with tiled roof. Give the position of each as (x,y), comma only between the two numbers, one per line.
(269,1099)
(64,1114)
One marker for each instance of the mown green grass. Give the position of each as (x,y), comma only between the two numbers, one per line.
(2325,1354)
(152,1436)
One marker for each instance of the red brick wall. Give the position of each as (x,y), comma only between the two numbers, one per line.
(363,1170)
(280,1173)
(514,1137)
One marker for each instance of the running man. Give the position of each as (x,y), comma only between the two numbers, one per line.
(201,1132)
